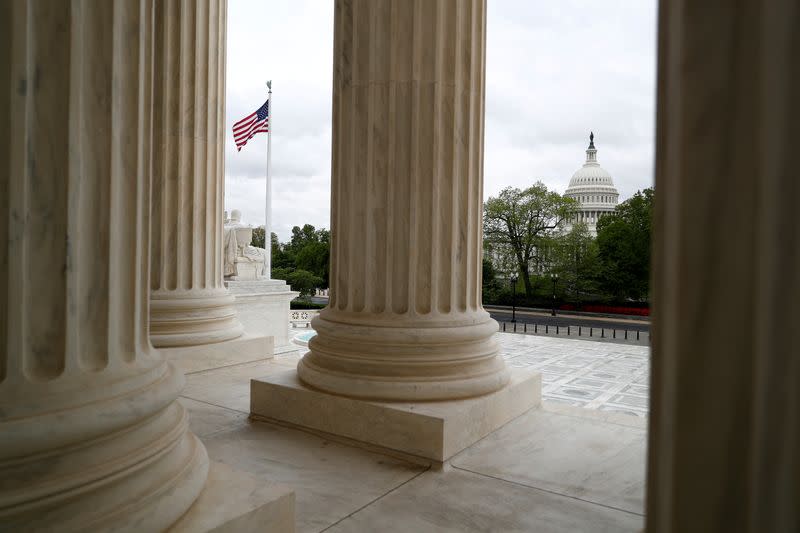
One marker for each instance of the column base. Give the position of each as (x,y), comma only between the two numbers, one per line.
(189,318)
(245,349)
(432,432)
(238,502)
(389,358)
(140,478)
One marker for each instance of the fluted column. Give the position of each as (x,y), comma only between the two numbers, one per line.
(405,319)
(91,435)
(724,451)
(190,304)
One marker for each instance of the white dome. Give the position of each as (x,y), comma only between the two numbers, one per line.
(591,177)
(593,188)
(591,174)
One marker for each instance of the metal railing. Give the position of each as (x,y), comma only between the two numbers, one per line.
(587,332)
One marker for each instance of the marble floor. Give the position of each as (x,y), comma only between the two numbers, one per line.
(558,468)
(594,375)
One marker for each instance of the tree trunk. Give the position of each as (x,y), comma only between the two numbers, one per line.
(526,278)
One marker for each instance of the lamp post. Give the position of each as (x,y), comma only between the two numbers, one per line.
(554,277)
(513,297)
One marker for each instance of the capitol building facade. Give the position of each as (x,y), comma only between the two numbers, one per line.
(593,187)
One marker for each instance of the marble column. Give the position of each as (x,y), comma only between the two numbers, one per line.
(724,451)
(405,320)
(92,437)
(189,302)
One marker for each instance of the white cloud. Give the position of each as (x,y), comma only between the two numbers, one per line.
(555,70)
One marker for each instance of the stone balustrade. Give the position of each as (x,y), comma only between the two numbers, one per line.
(302,317)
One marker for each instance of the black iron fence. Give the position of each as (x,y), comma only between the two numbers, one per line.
(613,334)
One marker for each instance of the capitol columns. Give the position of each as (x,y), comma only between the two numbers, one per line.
(92,435)
(189,302)
(405,320)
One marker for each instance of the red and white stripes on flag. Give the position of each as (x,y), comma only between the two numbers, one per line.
(245,129)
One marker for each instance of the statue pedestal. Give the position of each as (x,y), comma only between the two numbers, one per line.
(247,271)
(263,308)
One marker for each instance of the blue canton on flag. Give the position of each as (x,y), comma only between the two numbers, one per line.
(263,111)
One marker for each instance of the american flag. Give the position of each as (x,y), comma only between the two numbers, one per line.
(253,123)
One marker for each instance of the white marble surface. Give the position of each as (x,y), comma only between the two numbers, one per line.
(614,378)
(509,481)
(236,501)
(578,456)
(330,480)
(433,431)
(460,502)
(263,308)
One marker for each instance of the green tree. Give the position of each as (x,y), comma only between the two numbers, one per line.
(275,244)
(576,261)
(314,257)
(281,258)
(303,236)
(522,219)
(623,241)
(281,273)
(258,237)
(308,250)
(304,282)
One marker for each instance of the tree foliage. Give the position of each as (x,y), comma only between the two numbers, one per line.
(258,237)
(576,261)
(521,220)
(303,261)
(303,281)
(623,242)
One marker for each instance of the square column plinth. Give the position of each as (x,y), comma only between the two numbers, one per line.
(429,431)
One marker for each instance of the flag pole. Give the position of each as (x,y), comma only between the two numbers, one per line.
(268,199)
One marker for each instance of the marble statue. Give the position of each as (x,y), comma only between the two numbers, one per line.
(242,261)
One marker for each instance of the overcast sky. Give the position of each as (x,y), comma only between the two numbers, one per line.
(555,70)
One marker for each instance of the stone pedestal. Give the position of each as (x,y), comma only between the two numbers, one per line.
(428,432)
(405,320)
(91,435)
(189,303)
(263,308)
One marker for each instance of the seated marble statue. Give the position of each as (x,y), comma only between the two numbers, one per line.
(241,260)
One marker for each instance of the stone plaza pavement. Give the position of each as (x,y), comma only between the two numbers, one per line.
(558,468)
(596,375)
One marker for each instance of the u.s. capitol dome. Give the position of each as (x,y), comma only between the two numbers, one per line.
(593,187)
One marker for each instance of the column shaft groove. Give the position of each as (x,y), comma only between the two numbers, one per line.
(92,435)
(190,304)
(405,319)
